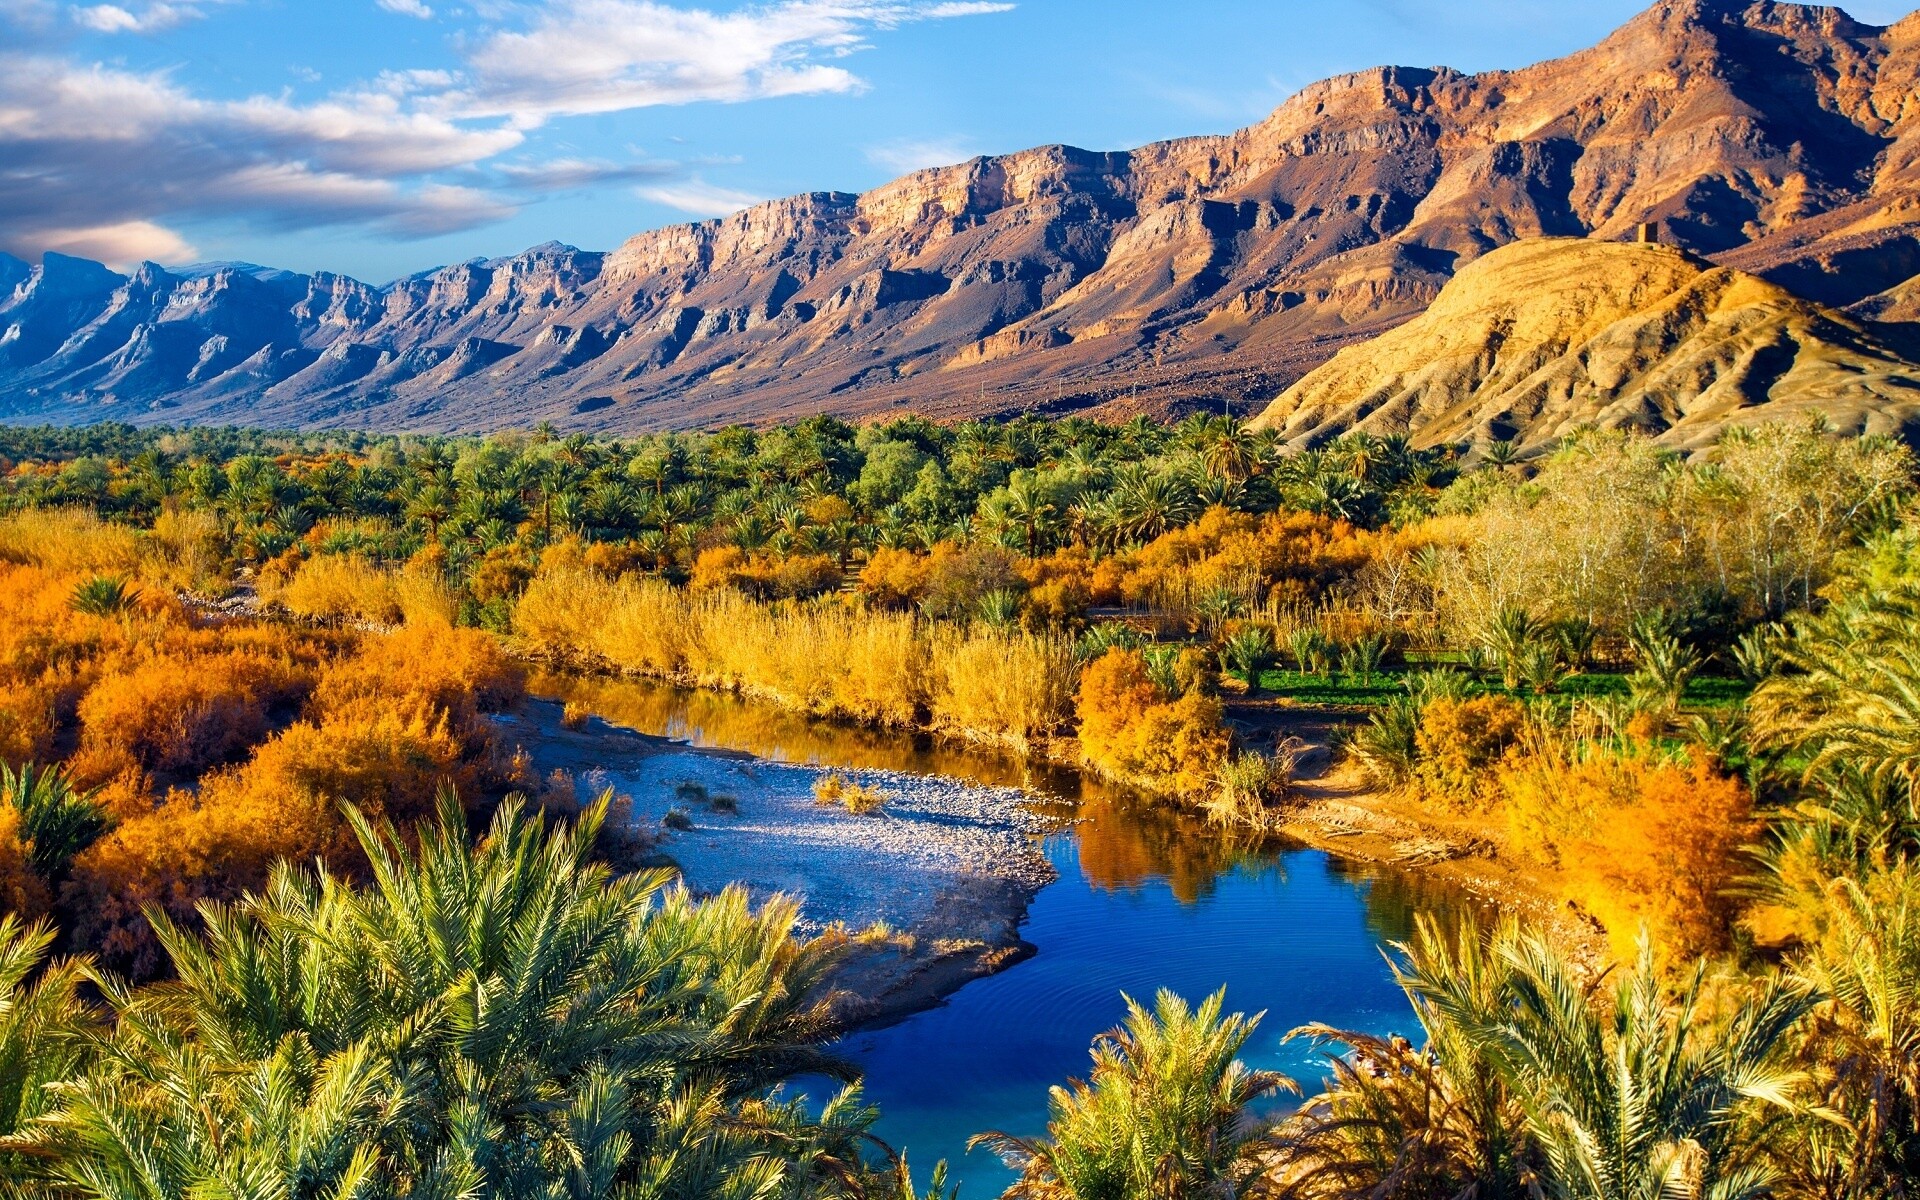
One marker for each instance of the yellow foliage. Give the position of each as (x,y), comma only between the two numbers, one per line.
(877,668)
(347,586)
(458,672)
(1460,741)
(1639,839)
(894,578)
(791,575)
(1284,556)
(185,712)
(21,891)
(1006,687)
(68,540)
(1129,731)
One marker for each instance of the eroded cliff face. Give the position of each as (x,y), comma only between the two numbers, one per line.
(1539,337)
(1778,138)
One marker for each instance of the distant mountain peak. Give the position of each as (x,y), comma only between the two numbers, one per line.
(1770,137)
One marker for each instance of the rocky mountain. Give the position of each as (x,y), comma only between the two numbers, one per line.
(1780,139)
(1538,337)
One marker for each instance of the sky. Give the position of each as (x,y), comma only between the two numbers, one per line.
(382,137)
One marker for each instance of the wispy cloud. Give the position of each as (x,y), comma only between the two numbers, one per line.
(120,159)
(564,174)
(699,198)
(913,154)
(598,56)
(148,18)
(100,152)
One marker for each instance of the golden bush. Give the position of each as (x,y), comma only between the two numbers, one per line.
(68,540)
(182,713)
(1460,741)
(1005,687)
(1129,731)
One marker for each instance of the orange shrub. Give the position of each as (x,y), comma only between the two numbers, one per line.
(27,717)
(1639,839)
(501,573)
(894,578)
(21,891)
(1129,731)
(459,672)
(387,758)
(1669,860)
(1062,586)
(717,567)
(185,712)
(1285,555)
(1459,742)
(789,576)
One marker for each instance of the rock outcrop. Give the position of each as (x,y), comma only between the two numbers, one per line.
(1778,138)
(1539,337)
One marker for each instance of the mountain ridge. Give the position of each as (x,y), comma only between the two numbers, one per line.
(1782,139)
(1544,336)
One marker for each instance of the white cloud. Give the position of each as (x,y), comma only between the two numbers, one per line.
(967,8)
(115,158)
(598,56)
(120,245)
(151,18)
(699,198)
(914,154)
(561,174)
(97,148)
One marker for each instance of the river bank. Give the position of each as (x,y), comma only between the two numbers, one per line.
(932,886)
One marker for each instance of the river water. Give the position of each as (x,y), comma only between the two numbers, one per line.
(1146,899)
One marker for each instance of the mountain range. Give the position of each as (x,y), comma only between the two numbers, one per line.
(1778,141)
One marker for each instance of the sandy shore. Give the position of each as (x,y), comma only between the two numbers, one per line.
(949,868)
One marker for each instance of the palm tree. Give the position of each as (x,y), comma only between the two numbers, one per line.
(1850,689)
(509,1019)
(1163,1116)
(46,1031)
(1439,1120)
(104,596)
(1025,505)
(57,823)
(1231,451)
(1532,1082)
(1863,1040)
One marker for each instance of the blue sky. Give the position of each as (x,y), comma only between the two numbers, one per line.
(380,137)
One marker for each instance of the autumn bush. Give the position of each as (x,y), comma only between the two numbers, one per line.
(182,713)
(1280,556)
(1459,741)
(1636,838)
(823,657)
(1131,730)
(1011,687)
(457,672)
(389,723)
(789,576)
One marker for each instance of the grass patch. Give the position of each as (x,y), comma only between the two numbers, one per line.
(1336,689)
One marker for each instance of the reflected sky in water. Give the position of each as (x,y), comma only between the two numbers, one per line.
(1147,899)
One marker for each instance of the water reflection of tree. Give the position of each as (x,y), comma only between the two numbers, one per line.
(1124,841)
(1124,844)
(1394,897)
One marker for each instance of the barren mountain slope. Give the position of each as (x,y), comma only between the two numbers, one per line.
(1539,337)
(1780,136)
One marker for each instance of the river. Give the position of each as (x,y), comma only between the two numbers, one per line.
(1146,899)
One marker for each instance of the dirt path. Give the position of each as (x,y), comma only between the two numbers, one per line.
(1337,810)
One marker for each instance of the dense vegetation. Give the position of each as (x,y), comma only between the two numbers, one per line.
(1680,692)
